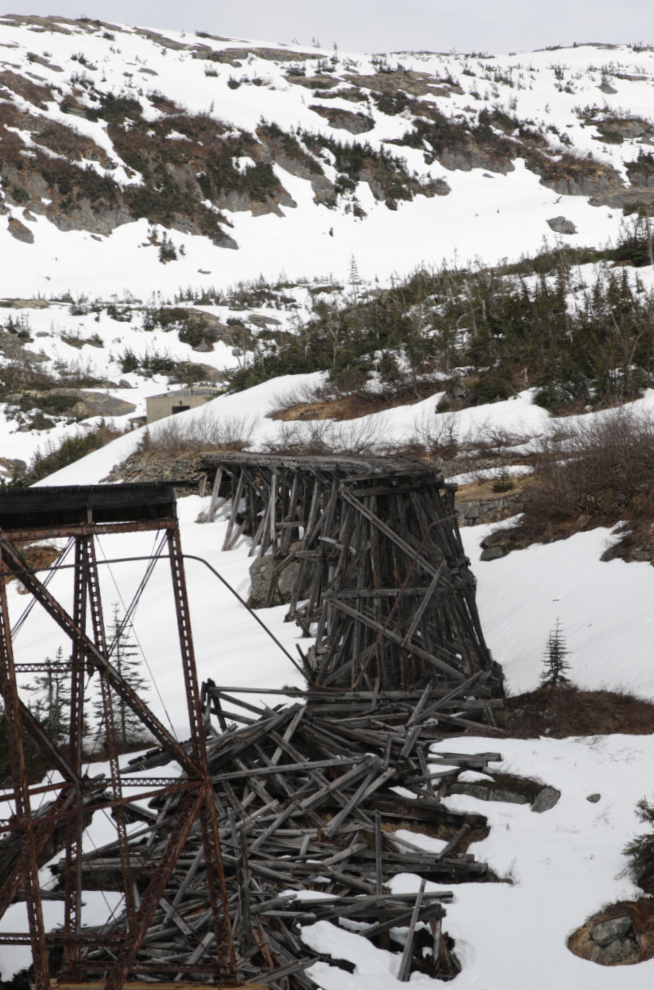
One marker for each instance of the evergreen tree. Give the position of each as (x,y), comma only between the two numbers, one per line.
(355,278)
(51,704)
(641,849)
(554,659)
(127,660)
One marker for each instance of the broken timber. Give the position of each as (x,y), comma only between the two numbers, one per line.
(380,576)
(306,800)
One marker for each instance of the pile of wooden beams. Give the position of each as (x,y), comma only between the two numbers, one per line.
(307,799)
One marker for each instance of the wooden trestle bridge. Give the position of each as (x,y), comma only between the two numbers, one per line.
(380,576)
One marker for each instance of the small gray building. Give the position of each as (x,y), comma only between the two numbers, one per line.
(170,403)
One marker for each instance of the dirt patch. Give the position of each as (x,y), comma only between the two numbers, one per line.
(498,787)
(633,926)
(565,711)
(159,466)
(353,405)
(444,831)
(482,490)
(36,555)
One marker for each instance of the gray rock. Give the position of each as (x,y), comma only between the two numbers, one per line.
(606,88)
(618,951)
(20,231)
(261,572)
(492,553)
(561,226)
(82,403)
(355,123)
(621,951)
(605,932)
(263,321)
(324,191)
(489,510)
(484,793)
(11,465)
(593,798)
(124,384)
(545,799)
(98,404)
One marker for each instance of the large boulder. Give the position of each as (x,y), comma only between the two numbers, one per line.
(561,226)
(261,573)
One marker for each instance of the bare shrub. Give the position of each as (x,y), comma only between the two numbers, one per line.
(176,435)
(324,437)
(600,467)
(443,438)
(298,395)
(593,472)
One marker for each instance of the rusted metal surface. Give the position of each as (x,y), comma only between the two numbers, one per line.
(207,810)
(94,656)
(185,818)
(106,529)
(23,814)
(72,870)
(77,797)
(95,603)
(10,825)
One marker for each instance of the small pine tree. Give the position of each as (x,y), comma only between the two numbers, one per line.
(504,482)
(51,704)
(554,659)
(127,661)
(355,278)
(167,250)
(640,851)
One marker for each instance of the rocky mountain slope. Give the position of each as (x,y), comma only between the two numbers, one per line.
(216,143)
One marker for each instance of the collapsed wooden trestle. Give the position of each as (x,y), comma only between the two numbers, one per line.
(379,575)
(306,800)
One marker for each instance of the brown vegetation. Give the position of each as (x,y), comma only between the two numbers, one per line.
(587,474)
(172,436)
(487,488)
(333,403)
(67,141)
(36,555)
(174,450)
(566,710)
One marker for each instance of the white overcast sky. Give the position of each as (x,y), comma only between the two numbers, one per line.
(493,26)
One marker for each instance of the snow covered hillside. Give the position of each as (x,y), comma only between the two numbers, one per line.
(224,189)
(112,136)
(448,255)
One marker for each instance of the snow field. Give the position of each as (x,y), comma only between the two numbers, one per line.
(485,216)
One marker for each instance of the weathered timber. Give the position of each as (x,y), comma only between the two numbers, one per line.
(303,803)
(368,555)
